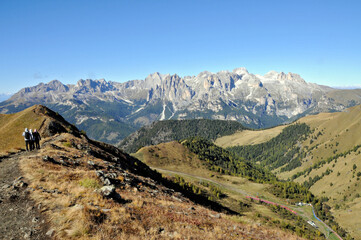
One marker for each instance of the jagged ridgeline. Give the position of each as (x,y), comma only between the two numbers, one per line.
(175,130)
(221,160)
(282,151)
(109,111)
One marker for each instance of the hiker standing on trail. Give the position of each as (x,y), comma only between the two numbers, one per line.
(37,138)
(31,140)
(27,136)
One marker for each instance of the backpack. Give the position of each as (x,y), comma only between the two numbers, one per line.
(27,136)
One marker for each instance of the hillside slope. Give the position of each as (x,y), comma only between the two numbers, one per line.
(175,130)
(336,147)
(217,174)
(249,137)
(328,162)
(91,190)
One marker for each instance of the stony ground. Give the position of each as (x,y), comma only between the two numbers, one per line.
(20,217)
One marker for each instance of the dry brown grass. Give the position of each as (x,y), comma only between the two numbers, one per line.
(172,156)
(248,137)
(76,210)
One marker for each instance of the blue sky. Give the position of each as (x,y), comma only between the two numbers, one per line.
(124,40)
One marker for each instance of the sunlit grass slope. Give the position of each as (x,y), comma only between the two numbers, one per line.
(332,163)
(12,126)
(249,137)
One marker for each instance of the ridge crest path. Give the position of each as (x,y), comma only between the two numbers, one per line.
(20,217)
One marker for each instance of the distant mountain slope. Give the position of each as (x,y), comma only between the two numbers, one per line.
(328,162)
(92,190)
(170,130)
(109,111)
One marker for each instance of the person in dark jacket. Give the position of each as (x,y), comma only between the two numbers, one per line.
(37,138)
(31,140)
(27,136)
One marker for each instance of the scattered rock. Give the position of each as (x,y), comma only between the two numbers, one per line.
(215,216)
(28,235)
(18,179)
(111,175)
(178,199)
(13,197)
(50,233)
(62,162)
(91,163)
(99,173)
(107,182)
(19,183)
(46,158)
(6,186)
(78,207)
(108,191)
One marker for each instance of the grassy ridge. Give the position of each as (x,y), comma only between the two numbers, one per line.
(12,126)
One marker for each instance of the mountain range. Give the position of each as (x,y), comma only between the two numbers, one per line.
(110,111)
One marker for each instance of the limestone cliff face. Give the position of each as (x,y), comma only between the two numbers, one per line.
(111,110)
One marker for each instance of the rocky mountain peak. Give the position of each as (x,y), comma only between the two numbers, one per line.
(155,79)
(283,77)
(204,74)
(271,75)
(56,85)
(41,88)
(90,85)
(240,71)
(291,77)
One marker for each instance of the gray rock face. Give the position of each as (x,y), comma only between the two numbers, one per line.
(109,111)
